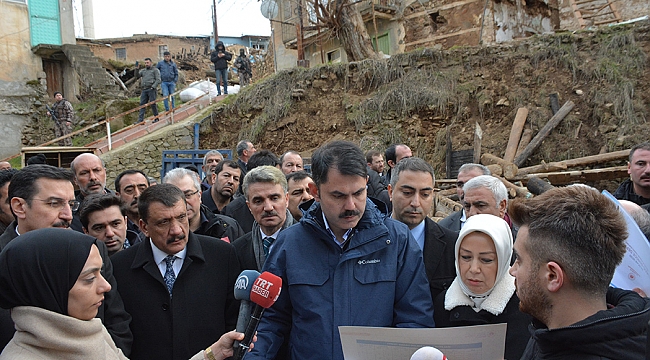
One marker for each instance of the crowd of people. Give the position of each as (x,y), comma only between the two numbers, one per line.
(150,270)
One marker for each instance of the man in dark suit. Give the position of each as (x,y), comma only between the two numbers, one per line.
(411,193)
(237,209)
(178,286)
(265,190)
(42,196)
(455,221)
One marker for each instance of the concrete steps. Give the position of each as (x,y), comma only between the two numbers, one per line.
(92,74)
(136,132)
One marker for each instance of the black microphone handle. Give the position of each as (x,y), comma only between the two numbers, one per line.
(250,332)
(243,318)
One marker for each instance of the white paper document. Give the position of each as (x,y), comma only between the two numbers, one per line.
(634,270)
(480,342)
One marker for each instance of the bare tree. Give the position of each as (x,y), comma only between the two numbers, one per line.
(344,21)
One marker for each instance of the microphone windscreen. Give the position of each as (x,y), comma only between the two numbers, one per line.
(428,353)
(266,289)
(244,284)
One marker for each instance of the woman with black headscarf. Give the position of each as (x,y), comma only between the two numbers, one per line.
(51,281)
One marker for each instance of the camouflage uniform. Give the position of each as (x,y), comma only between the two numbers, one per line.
(243,66)
(65,114)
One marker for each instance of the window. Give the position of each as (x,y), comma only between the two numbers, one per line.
(334,56)
(384,44)
(161,50)
(120,53)
(286,7)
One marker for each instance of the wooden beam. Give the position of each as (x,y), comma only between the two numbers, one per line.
(509,169)
(568,177)
(582,161)
(546,130)
(519,191)
(525,140)
(515,134)
(478,137)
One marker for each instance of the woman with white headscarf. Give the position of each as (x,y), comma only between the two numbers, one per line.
(483,291)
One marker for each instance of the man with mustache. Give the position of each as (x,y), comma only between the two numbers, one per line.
(637,188)
(202,221)
(411,192)
(225,181)
(177,285)
(90,176)
(345,263)
(42,196)
(129,185)
(265,190)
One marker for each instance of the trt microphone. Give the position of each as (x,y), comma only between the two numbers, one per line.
(428,353)
(264,293)
(243,287)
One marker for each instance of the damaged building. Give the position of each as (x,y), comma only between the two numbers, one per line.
(39,56)
(397,26)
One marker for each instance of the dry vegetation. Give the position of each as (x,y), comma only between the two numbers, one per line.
(417,97)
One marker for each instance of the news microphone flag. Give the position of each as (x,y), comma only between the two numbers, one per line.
(264,293)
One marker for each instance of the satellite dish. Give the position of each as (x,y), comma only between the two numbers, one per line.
(269,9)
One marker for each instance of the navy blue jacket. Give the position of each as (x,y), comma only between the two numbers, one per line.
(377,279)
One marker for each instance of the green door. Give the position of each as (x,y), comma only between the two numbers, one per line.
(384,44)
(44,26)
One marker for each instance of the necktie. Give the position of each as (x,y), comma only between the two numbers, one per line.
(170,277)
(266,243)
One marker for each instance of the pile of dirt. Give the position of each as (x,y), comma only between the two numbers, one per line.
(418,97)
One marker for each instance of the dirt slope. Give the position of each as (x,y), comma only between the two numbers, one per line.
(415,98)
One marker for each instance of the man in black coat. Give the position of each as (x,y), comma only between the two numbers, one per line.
(411,192)
(637,188)
(178,286)
(42,196)
(570,242)
(455,221)
(220,58)
(202,220)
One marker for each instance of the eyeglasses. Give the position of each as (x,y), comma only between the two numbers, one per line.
(58,204)
(189,194)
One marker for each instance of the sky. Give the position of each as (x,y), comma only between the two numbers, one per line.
(123,18)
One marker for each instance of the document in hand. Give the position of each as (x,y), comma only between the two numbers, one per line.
(634,270)
(480,342)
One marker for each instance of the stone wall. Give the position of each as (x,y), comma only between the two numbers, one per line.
(146,154)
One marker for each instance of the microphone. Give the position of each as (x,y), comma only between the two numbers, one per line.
(428,353)
(243,287)
(264,293)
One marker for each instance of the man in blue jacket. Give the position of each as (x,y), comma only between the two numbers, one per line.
(346,263)
(169,77)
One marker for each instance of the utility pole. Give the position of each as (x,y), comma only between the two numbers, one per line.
(214,21)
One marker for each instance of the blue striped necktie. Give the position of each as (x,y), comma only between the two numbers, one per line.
(170,277)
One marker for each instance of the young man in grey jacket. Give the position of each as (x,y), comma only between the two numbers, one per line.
(149,81)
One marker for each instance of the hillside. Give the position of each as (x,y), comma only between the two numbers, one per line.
(416,98)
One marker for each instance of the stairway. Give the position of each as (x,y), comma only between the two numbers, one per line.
(93,75)
(595,12)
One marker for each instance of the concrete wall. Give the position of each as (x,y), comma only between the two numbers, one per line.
(146,154)
(284,58)
(17,106)
(17,62)
(139,47)
(66,13)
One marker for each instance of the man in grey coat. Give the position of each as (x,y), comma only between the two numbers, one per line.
(149,81)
